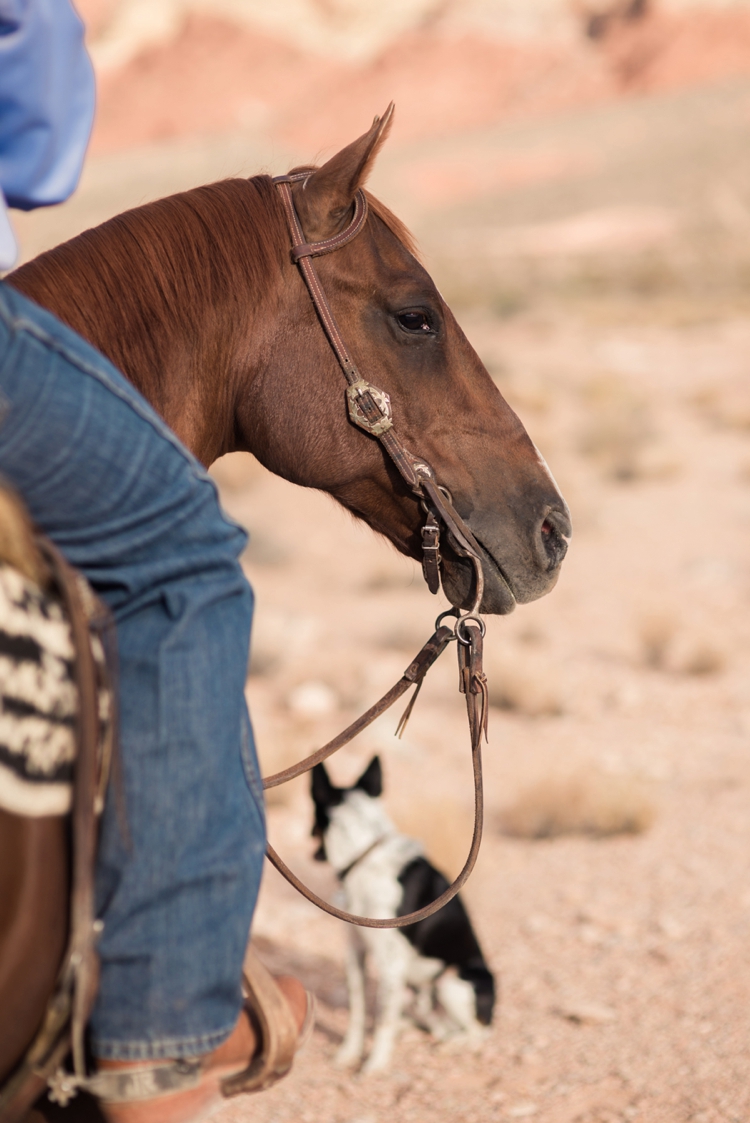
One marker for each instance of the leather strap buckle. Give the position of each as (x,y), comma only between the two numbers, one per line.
(369,408)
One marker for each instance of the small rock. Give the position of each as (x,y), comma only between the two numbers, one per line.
(522,1111)
(312,699)
(587,1013)
(537,922)
(671,928)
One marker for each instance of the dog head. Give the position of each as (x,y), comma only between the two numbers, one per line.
(348,820)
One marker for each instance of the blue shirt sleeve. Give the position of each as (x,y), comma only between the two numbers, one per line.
(46,101)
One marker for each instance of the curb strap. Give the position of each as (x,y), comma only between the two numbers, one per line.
(369,408)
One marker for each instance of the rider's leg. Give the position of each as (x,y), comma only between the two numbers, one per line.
(231,1057)
(179,869)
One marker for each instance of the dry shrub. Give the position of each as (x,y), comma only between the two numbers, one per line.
(617,429)
(726,407)
(663,648)
(656,631)
(524,685)
(703,659)
(588,802)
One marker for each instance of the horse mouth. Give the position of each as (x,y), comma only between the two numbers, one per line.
(497,584)
(460,586)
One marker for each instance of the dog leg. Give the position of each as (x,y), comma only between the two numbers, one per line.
(426,1017)
(352,1048)
(423,1007)
(392,970)
(457,998)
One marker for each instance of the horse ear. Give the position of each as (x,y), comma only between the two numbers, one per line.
(321,788)
(324,203)
(371,780)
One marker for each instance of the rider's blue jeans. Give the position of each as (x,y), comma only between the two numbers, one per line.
(127,504)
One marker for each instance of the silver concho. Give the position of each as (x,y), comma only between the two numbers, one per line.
(354,395)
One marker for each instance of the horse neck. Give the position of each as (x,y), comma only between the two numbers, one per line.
(178,317)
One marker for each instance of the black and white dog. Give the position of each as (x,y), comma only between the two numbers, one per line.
(383,874)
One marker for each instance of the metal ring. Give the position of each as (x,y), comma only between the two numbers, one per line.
(448,612)
(464,620)
(445,494)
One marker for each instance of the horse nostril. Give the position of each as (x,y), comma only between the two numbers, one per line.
(555,545)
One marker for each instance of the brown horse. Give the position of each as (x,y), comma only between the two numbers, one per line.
(195,298)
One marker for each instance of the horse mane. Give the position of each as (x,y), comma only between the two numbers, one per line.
(145,280)
(140,286)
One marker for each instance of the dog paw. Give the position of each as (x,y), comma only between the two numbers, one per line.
(347,1057)
(376,1065)
(465,1041)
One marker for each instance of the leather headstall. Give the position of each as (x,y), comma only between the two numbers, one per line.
(370,409)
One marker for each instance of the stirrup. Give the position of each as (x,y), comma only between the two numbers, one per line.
(280,1038)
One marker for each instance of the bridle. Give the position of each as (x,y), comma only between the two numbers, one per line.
(369,408)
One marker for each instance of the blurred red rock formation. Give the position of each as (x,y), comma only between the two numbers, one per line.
(214,75)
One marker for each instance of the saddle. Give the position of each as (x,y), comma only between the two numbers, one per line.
(56,731)
(57,725)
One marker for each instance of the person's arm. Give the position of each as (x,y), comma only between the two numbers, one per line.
(46,106)
(46,101)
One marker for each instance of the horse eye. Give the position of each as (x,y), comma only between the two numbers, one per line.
(414,321)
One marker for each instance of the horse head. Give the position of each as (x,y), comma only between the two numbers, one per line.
(445,406)
(197,300)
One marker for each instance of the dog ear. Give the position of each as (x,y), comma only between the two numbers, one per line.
(321,788)
(371,780)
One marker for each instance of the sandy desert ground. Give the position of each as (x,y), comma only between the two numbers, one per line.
(599,262)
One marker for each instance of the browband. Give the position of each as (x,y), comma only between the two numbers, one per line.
(300,247)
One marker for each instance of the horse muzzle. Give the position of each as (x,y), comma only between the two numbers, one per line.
(516,571)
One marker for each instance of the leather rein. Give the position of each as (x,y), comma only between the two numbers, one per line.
(369,408)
